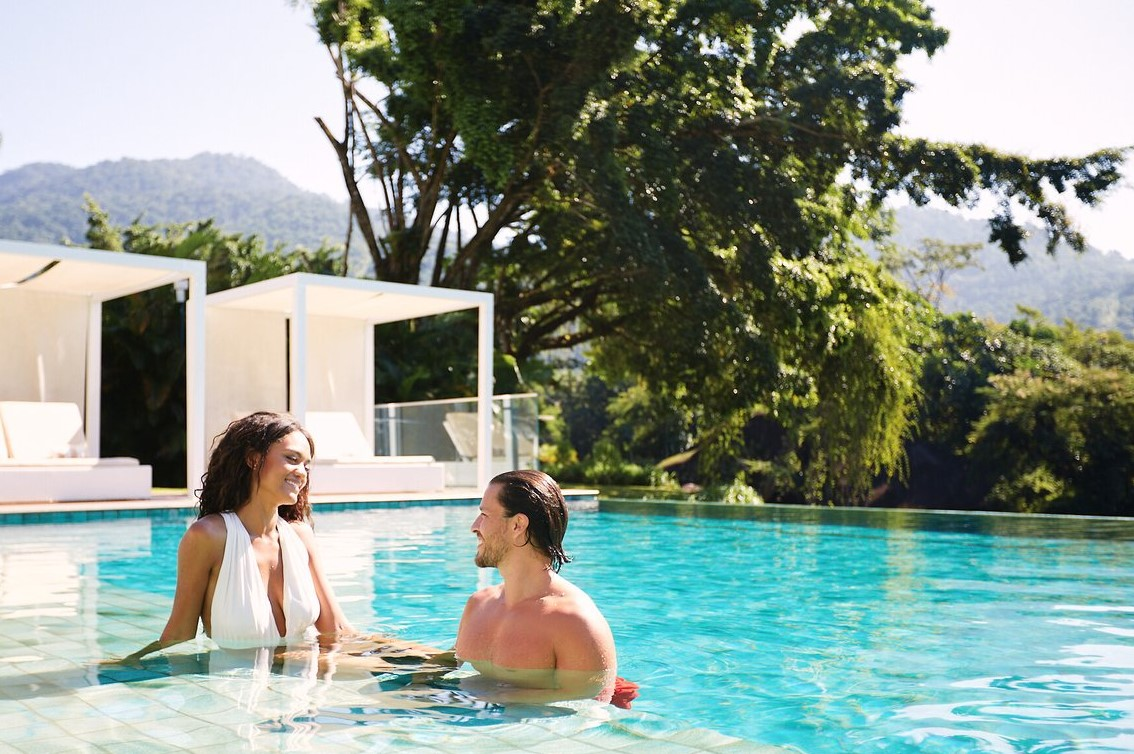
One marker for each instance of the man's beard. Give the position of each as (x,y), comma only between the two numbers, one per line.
(488,555)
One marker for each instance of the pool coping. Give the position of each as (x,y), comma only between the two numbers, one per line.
(176,505)
(987,522)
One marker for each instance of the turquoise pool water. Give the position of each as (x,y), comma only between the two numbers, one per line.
(787,629)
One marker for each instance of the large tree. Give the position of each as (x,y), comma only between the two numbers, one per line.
(673,178)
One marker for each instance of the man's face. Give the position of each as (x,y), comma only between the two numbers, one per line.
(491,529)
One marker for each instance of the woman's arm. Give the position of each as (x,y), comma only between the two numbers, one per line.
(200,552)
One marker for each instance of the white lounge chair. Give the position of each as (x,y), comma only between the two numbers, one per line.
(43,458)
(344,464)
(462,427)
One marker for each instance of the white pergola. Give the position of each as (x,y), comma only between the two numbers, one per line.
(51,328)
(305,342)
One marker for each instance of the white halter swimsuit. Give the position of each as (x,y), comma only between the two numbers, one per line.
(241,613)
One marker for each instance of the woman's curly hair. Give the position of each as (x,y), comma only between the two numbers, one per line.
(227,483)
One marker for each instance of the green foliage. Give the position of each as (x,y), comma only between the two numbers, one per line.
(605,465)
(619,431)
(865,379)
(1059,445)
(436,357)
(1026,417)
(955,172)
(739,493)
(1094,348)
(446,361)
(669,181)
(964,354)
(645,425)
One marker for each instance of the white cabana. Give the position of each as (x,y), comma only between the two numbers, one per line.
(51,334)
(304,343)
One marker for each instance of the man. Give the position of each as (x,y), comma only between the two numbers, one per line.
(536,637)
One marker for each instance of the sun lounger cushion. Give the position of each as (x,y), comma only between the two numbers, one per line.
(333,478)
(337,435)
(344,463)
(38,430)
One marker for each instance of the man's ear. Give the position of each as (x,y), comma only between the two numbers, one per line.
(519,523)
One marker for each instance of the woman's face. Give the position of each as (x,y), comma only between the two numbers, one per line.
(283,471)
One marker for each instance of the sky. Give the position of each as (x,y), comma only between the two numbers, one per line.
(82,82)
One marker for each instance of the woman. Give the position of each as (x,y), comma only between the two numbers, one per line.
(248,567)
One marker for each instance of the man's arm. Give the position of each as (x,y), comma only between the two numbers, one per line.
(567,685)
(465,646)
(585,658)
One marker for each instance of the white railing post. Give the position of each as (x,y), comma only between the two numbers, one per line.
(392,439)
(508,418)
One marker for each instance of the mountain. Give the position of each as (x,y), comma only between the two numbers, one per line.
(1093,289)
(44,202)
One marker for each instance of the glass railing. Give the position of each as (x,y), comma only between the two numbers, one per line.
(446,430)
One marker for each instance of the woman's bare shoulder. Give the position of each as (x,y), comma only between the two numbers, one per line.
(207,530)
(304,530)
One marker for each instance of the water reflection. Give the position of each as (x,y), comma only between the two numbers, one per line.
(290,692)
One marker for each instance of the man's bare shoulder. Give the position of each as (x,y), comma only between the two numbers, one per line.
(565,597)
(485,595)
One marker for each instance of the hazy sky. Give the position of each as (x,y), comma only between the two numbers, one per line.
(84,81)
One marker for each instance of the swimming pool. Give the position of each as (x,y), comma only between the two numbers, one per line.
(801,629)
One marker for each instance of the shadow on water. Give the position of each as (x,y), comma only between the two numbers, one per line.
(434,701)
(989,523)
(71,680)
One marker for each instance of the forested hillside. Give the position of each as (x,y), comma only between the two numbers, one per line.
(1093,289)
(44,202)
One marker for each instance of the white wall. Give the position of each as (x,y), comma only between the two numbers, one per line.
(43,346)
(245,365)
(337,371)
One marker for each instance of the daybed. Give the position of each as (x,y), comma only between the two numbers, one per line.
(344,463)
(43,458)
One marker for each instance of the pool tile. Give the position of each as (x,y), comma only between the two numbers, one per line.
(65,745)
(658,746)
(32,728)
(569,746)
(92,721)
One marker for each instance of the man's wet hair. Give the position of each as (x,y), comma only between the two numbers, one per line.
(537,496)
